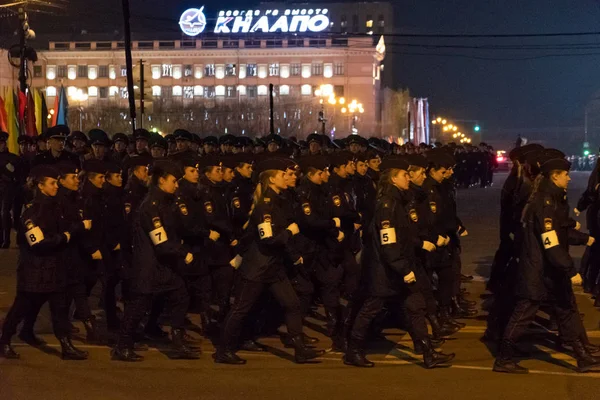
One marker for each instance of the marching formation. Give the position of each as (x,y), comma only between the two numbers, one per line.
(249,236)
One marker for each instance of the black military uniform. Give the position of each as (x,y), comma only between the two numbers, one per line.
(242,190)
(263,267)
(119,156)
(545,269)
(157,258)
(21,174)
(9,172)
(41,270)
(58,132)
(389,258)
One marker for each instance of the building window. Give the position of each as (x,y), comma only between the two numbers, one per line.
(252,43)
(317,69)
(198,71)
(275,43)
(37,71)
(167,70)
(381,24)
(241,90)
(123,70)
(251,70)
(71,72)
(103,71)
(317,43)
(306,70)
(328,70)
(123,93)
(103,92)
(338,90)
(156,71)
(61,71)
(209,70)
(219,90)
(209,92)
(369,22)
(156,91)
(284,71)
(188,92)
(338,69)
(92,72)
(50,91)
(198,91)
(112,73)
(343,21)
(274,69)
(93,91)
(262,71)
(230,91)
(113,91)
(176,71)
(177,91)
(230,70)
(295,69)
(51,72)
(284,90)
(252,91)
(82,71)
(188,70)
(262,90)
(306,90)
(295,43)
(166,92)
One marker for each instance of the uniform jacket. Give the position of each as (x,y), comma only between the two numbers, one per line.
(71,208)
(217,216)
(46,157)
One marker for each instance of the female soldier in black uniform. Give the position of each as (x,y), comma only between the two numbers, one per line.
(41,270)
(263,265)
(389,260)
(157,257)
(546,270)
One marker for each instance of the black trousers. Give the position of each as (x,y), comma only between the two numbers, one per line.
(249,294)
(501,259)
(411,304)
(222,285)
(446,277)
(176,301)
(198,287)
(6,203)
(351,274)
(567,315)
(27,302)
(329,277)
(18,203)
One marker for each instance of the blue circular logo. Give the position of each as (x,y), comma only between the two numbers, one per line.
(192,21)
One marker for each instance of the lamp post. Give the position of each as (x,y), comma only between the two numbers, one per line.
(353,107)
(80,97)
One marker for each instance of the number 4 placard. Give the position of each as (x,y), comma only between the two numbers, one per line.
(549,239)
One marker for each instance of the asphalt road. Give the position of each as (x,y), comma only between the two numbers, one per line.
(41,374)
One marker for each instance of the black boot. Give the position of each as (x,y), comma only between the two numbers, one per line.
(206,325)
(438,330)
(70,352)
(466,303)
(251,345)
(91,330)
(309,339)
(418,345)
(433,358)
(125,352)
(585,361)
(460,312)
(302,353)
(355,355)
(30,338)
(504,360)
(6,351)
(155,332)
(181,351)
(226,356)
(446,319)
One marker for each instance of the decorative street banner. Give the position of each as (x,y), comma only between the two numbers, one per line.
(193,21)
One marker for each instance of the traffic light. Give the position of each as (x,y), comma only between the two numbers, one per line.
(477,128)
(586,152)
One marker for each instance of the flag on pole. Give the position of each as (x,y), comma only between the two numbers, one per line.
(37,100)
(11,121)
(44,119)
(30,127)
(55,110)
(63,107)
(3,117)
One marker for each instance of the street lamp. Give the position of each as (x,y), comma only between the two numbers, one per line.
(80,97)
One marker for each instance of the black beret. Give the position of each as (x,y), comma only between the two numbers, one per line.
(44,171)
(417,160)
(272,138)
(141,134)
(209,161)
(313,137)
(275,163)
(170,138)
(58,131)
(138,161)
(96,166)
(211,140)
(113,168)
(394,162)
(182,134)
(67,167)
(120,137)
(98,136)
(339,159)
(159,142)
(554,164)
(161,167)
(315,161)
(372,154)
(78,135)
(230,161)
(362,156)
(190,162)
(227,139)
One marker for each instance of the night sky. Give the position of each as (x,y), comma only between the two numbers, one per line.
(511,92)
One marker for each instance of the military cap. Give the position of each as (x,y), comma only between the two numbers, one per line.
(372,154)
(67,167)
(274,163)
(340,143)
(161,167)
(182,134)
(554,164)
(394,162)
(141,134)
(58,132)
(211,140)
(318,162)
(313,137)
(230,161)
(96,166)
(78,135)
(40,138)
(170,138)
(417,160)
(159,142)
(362,156)
(209,161)
(138,161)
(190,162)
(357,139)
(196,139)
(3,136)
(120,137)
(339,159)
(227,139)
(112,168)
(98,136)
(272,138)
(44,171)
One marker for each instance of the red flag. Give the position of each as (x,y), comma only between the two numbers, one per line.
(3,117)
(30,128)
(22,105)
(55,110)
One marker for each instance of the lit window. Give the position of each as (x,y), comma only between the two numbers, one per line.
(369,23)
(284,90)
(71,91)
(241,90)
(156,72)
(262,71)
(209,70)
(230,70)
(242,72)
(220,90)
(93,91)
(328,70)
(92,72)
(198,91)
(306,70)
(123,93)
(123,70)
(219,71)
(177,91)
(198,71)
(274,69)
(263,90)
(112,72)
(306,90)
(72,74)
(50,72)
(156,91)
(50,91)
(113,91)
(188,92)
(176,71)
(251,70)
(284,71)
(167,70)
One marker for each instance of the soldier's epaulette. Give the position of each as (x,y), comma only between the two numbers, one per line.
(547,201)
(28,205)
